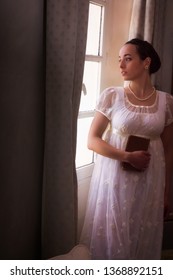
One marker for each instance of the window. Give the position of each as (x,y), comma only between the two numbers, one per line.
(91,80)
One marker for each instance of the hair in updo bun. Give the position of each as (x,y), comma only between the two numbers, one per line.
(145,49)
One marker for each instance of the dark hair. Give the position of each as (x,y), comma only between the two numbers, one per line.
(145,49)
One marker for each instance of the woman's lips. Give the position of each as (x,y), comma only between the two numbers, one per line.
(123,73)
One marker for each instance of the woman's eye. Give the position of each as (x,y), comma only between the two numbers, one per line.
(128,59)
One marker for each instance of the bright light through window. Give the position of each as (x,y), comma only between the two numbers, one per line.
(91,82)
(94,29)
(85,156)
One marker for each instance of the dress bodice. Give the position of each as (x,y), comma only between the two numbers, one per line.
(127,118)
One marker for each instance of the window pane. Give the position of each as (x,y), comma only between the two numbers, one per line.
(94,29)
(83,155)
(91,80)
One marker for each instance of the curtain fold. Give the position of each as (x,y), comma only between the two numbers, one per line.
(65,54)
(142,19)
(147,22)
(38,120)
(157,40)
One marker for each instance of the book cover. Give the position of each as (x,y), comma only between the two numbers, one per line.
(135,143)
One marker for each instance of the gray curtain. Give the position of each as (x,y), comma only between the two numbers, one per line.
(41,65)
(147,22)
(21,127)
(65,53)
(142,19)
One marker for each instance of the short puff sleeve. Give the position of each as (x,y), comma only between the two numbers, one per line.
(169,109)
(106,101)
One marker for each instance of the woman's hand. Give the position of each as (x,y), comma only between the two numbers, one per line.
(139,159)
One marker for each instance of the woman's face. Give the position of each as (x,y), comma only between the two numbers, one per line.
(131,65)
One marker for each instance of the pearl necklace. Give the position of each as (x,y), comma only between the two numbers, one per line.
(141,99)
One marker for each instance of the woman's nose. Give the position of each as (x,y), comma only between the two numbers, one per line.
(121,64)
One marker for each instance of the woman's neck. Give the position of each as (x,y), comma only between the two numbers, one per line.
(141,88)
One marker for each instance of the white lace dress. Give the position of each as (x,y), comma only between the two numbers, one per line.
(124,216)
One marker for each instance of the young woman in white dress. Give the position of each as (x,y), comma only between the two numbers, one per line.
(125,210)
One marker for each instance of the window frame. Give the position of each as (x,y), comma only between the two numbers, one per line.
(94,58)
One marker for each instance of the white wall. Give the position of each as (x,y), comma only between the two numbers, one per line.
(116,34)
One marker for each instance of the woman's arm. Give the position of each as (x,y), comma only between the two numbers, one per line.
(167,139)
(97,144)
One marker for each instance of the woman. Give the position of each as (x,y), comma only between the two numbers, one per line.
(124,217)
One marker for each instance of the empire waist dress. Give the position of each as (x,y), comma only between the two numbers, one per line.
(124,215)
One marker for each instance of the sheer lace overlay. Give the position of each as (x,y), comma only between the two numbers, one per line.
(141,109)
(105,103)
(125,209)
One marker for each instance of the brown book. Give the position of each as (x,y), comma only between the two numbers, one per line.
(135,143)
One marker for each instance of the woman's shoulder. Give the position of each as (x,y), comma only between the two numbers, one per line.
(168,107)
(163,93)
(113,90)
(108,97)
(166,95)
